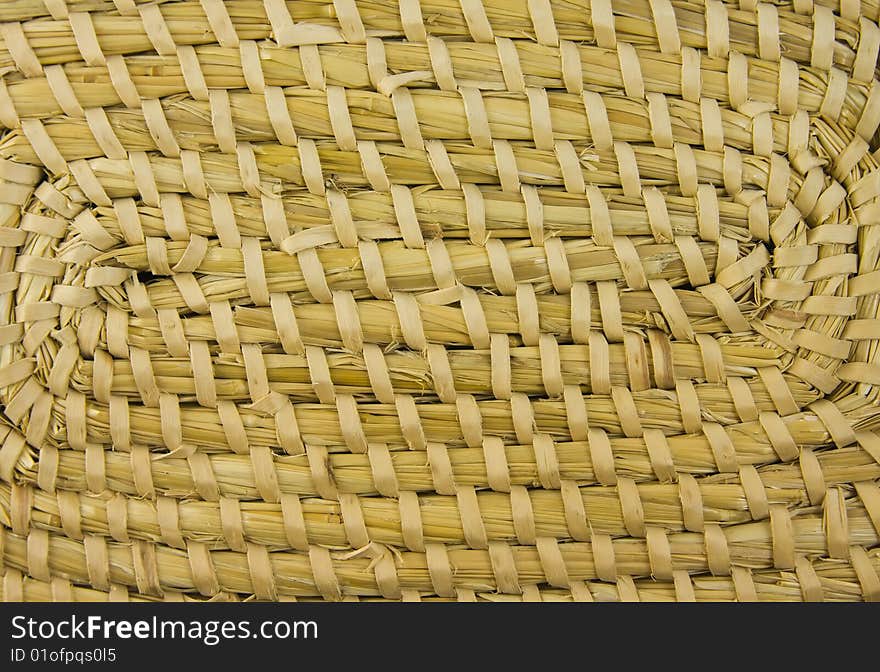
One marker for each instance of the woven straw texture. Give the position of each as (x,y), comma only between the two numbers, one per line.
(475,300)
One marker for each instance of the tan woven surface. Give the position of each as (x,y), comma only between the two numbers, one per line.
(476,300)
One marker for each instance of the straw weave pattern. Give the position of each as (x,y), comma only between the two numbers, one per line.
(427,300)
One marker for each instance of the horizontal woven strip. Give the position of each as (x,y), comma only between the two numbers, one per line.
(234,475)
(188,23)
(759,545)
(815,581)
(572,67)
(518,515)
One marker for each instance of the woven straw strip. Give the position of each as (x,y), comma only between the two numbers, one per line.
(572,67)
(817,580)
(470,372)
(436,116)
(384,322)
(516,516)
(442,212)
(233,475)
(667,410)
(222,173)
(761,545)
(440,116)
(713,26)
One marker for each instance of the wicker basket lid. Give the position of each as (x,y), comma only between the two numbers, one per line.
(439,300)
